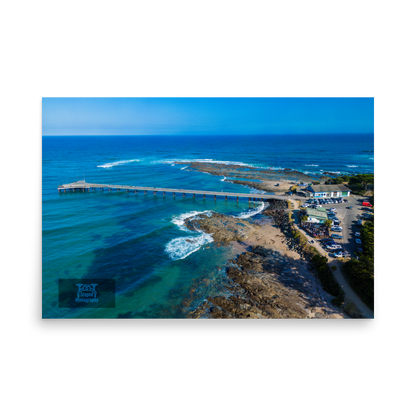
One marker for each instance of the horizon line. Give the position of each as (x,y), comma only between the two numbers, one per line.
(208,134)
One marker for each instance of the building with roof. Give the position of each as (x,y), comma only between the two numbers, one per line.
(328,191)
(316,216)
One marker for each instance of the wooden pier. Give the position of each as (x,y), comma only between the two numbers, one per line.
(98,187)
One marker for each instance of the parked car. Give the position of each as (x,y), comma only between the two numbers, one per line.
(360,222)
(336,222)
(350,207)
(358,241)
(336,255)
(337,236)
(305,205)
(360,250)
(336,246)
(366,204)
(357,234)
(336,228)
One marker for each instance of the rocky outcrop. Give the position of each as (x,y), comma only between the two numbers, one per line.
(261,186)
(249,172)
(223,228)
(265,286)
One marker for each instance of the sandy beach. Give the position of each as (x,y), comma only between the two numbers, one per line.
(268,278)
(270,271)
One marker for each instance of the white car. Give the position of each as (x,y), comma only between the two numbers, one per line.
(332,209)
(357,234)
(358,241)
(337,236)
(337,255)
(336,228)
(305,205)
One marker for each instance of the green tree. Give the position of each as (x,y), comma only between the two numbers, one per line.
(328,224)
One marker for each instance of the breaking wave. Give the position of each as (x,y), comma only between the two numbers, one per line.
(179,220)
(252,212)
(352,166)
(182,247)
(311,165)
(120,162)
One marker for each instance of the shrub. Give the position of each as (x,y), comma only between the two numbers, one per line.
(326,277)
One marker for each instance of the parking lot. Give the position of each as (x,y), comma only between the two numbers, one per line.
(348,220)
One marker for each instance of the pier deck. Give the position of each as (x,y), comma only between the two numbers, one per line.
(82,185)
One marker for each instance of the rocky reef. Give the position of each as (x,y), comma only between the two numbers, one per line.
(223,228)
(263,282)
(250,172)
(266,285)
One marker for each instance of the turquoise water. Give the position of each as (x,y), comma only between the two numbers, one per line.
(139,240)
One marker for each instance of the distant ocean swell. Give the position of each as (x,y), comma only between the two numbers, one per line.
(120,162)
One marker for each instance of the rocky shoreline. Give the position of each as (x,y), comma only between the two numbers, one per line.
(246,175)
(263,282)
(223,228)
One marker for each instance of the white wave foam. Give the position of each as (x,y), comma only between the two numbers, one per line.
(223,179)
(252,212)
(120,162)
(180,219)
(220,162)
(182,247)
(352,166)
(311,165)
(183,167)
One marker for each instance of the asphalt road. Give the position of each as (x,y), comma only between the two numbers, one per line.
(349,218)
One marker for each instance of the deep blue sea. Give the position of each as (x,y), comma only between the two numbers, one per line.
(139,240)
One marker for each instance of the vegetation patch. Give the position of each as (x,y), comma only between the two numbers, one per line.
(326,277)
(360,273)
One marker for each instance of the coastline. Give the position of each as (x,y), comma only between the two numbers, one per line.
(268,279)
(266,276)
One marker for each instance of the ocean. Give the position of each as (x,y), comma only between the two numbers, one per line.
(161,269)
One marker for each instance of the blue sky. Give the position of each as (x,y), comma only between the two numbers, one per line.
(215,116)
